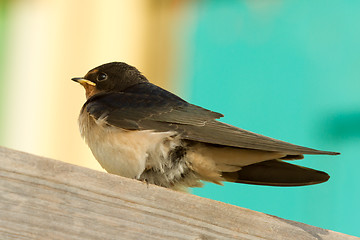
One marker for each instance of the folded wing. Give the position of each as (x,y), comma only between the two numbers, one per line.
(148,107)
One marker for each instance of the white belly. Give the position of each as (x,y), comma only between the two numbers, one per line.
(123,152)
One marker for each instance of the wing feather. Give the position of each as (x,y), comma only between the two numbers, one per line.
(148,107)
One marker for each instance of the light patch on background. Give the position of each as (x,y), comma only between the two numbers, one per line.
(52,41)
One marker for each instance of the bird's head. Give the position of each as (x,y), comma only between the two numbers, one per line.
(110,77)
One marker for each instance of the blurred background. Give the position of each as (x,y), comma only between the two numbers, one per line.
(286,69)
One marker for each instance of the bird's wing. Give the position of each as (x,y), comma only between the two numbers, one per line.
(148,107)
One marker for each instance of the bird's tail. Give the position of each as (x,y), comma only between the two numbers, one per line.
(218,164)
(276,173)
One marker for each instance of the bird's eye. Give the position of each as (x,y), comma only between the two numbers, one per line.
(102,77)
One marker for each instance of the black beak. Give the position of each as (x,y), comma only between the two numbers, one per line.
(77,79)
(83,81)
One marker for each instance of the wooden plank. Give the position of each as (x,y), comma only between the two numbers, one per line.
(42,198)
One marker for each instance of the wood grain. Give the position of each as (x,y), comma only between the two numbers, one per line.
(42,198)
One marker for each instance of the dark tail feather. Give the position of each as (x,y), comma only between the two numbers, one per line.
(276,173)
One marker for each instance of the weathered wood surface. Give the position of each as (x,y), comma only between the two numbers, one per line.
(42,198)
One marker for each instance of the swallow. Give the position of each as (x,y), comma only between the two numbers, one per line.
(138,130)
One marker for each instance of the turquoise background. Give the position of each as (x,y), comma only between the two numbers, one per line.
(288,70)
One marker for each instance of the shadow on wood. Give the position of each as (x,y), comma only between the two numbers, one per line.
(42,198)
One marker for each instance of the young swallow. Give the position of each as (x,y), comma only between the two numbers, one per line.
(138,130)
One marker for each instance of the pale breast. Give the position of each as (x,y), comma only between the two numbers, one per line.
(124,152)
